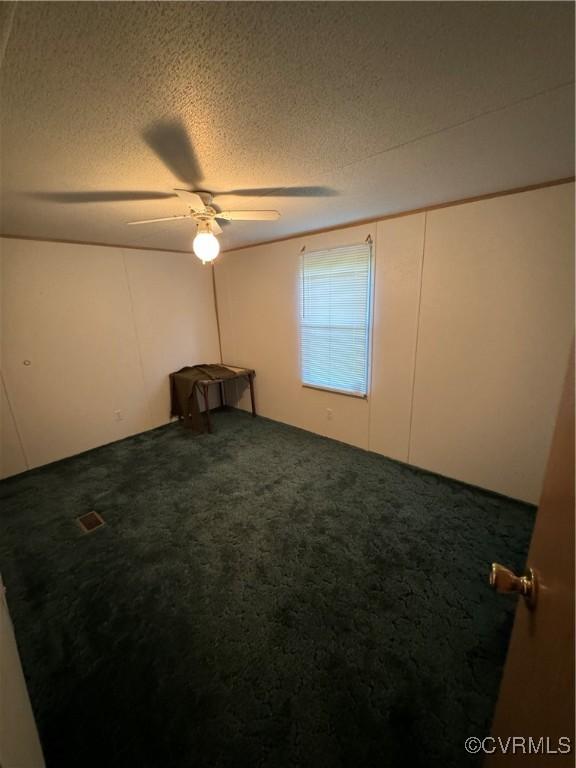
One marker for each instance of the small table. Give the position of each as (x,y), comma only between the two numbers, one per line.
(240,373)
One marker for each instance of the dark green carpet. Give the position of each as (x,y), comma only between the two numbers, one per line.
(260,597)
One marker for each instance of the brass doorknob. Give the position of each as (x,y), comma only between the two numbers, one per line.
(504,580)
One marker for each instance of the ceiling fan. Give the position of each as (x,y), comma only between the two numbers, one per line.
(169,141)
(205,245)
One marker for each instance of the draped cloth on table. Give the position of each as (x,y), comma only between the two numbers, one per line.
(184,386)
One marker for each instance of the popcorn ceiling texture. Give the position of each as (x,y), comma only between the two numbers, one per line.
(393,105)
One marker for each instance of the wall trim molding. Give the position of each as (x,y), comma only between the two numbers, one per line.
(411,212)
(10,236)
(308,233)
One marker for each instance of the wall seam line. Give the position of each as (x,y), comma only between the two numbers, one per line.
(215,294)
(374,267)
(137,337)
(15,421)
(418,317)
(7,32)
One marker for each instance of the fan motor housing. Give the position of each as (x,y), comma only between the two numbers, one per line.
(206,215)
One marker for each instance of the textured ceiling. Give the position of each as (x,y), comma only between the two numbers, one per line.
(391,106)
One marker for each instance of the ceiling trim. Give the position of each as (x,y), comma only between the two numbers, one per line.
(412,211)
(10,236)
(307,233)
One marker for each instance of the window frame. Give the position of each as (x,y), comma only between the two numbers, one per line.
(369,318)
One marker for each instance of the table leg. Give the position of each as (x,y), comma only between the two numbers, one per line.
(222,401)
(207,411)
(251,381)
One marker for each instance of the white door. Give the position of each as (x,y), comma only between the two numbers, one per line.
(19,743)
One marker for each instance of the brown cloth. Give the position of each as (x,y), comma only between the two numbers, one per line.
(184,385)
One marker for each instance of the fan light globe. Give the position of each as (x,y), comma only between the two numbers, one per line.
(206,246)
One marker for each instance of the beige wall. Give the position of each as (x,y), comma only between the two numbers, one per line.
(102,328)
(258,300)
(496,323)
(473,318)
(399,252)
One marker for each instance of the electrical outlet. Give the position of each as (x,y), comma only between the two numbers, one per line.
(118,415)
(329,414)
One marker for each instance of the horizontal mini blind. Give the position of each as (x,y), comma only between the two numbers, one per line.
(335,318)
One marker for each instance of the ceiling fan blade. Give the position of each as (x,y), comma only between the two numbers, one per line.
(191,199)
(169,140)
(165,218)
(248,215)
(281,192)
(99,196)
(215,228)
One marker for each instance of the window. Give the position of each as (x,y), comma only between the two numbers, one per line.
(335,319)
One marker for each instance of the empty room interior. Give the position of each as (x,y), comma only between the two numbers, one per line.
(287,384)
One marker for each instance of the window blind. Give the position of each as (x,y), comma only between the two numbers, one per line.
(335,318)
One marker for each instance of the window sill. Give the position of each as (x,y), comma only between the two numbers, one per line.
(336,391)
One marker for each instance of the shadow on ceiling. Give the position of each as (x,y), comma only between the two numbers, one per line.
(170,142)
